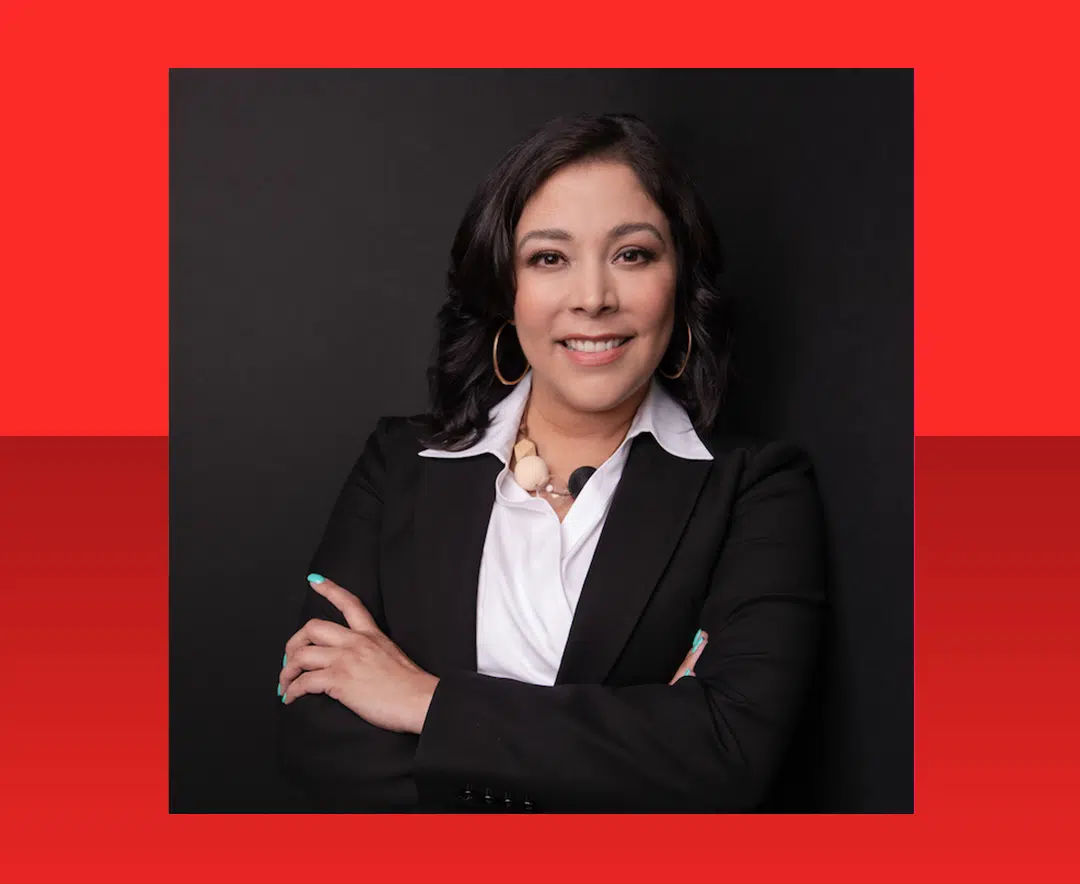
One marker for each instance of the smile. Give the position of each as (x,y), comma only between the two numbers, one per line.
(595,352)
(580,345)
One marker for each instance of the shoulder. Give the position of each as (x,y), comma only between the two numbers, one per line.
(398,434)
(393,441)
(753,458)
(386,453)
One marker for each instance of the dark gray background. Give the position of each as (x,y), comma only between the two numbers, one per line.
(311,215)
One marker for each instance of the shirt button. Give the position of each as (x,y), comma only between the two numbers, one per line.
(488,797)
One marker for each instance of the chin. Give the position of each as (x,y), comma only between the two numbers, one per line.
(598,394)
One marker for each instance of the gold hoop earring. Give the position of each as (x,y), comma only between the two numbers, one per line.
(686,358)
(495,360)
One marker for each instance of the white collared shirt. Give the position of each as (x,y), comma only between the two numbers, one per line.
(533,566)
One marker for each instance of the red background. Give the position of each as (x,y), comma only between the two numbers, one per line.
(84,449)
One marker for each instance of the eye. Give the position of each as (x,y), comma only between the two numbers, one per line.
(545,259)
(636,256)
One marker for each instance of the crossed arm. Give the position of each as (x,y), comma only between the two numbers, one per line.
(373,732)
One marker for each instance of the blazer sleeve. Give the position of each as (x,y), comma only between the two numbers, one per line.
(327,751)
(711,742)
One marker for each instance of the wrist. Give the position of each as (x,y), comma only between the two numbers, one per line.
(425,693)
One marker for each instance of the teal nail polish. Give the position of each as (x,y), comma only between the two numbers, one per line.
(282,698)
(697,641)
(687,671)
(279,689)
(315,578)
(284,660)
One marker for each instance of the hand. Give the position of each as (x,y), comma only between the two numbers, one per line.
(687,665)
(358,666)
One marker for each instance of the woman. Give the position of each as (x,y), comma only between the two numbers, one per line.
(507,585)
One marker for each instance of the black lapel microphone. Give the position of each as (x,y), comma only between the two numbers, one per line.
(578,478)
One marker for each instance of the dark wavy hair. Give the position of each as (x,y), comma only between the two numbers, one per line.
(481,281)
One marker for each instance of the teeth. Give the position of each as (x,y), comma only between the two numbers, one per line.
(594,346)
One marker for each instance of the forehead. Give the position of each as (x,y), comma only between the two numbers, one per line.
(590,195)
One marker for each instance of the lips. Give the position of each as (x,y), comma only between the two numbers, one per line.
(592,344)
(591,352)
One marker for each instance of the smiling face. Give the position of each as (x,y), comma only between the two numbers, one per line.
(595,298)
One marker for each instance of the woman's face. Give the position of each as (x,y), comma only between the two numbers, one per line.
(595,298)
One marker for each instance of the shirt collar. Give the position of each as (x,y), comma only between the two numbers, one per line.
(501,433)
(659,414)
(669,424)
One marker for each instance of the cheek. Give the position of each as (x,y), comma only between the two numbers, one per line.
(534,313)
(657,315)
(654,305)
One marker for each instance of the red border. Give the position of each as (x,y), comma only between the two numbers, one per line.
(83,725)
(83,352)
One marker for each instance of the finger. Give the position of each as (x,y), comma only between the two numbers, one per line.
(317,681)
(701,638)
(694,655)
(318,632)
(306,659)
(684,668)
(356,615)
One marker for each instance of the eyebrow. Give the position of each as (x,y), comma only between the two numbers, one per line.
(614,233)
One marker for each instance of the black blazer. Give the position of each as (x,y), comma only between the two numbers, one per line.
(733,546)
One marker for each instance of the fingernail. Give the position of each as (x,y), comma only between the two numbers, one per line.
(687,671)
(282,698)
(697,640)
(279,689)
(284,660)
(315,578)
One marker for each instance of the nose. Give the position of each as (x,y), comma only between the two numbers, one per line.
(594,291)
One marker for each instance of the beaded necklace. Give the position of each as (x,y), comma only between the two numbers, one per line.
(531,471)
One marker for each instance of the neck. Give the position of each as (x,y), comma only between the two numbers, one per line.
(570,435)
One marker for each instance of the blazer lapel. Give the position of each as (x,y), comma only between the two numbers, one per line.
(453,509)
(649,511)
